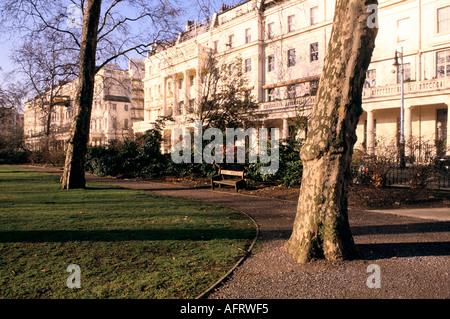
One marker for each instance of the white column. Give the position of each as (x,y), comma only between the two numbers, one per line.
(175,95)
(370,135)
(164,85)
(186,92)
(285,133)
(261,58)
(198,89)
(263,123)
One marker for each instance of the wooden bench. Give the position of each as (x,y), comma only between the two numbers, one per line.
(230,178)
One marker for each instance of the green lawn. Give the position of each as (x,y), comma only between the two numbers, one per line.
(128,243)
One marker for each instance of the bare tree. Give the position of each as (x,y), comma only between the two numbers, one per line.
(12,93)
(321,227)
(12,96)
(47,66)
(110,29)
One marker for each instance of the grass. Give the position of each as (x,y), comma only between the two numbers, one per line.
(128,243)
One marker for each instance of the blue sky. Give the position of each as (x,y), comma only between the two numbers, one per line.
(192,12)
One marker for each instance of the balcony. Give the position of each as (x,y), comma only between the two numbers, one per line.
(410,88)
(288,104)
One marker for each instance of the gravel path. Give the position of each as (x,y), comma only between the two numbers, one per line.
(413,254)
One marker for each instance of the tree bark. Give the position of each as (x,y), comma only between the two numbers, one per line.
(74,174)
(321,228)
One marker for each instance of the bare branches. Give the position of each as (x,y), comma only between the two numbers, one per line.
(45,60)
(125,25)
(12,93)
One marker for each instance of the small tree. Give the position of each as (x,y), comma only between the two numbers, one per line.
(225,101)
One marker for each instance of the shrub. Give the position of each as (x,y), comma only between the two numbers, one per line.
(292,174)
(14,156)
(143,158)
(291,167)
(103,161)
(140,158)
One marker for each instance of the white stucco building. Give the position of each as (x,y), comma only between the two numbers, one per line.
(282,45)
(118,103)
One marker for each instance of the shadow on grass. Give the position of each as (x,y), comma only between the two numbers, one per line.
(153,188)
(122,235)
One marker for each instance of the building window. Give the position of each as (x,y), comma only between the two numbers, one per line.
(443,19)
(271,30)
(314,51)
(403,29)
(248,65)
(180,107)
(114,106)
(270,63)
(125,124)
(291,24)
(406,73)
(125,107)
(291,91)
(313,87)
(443,64)
(291,57)
(441,131)
(314,15)
(191,80)
(248,36)
(271,95)
(230,41)
(216,46)
(191,106)
(370,81)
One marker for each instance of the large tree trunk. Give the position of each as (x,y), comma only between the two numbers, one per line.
(321,227)
(74,175)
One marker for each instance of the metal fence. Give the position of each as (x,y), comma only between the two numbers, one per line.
(434,174)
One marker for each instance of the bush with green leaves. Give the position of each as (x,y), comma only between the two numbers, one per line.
(143,158)
(139,158)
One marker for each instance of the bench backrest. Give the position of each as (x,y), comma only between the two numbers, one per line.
(232,173)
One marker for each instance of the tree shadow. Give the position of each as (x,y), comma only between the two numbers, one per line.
(386,250)
(390,250)
(422,245)
(428,227)
(123,235)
